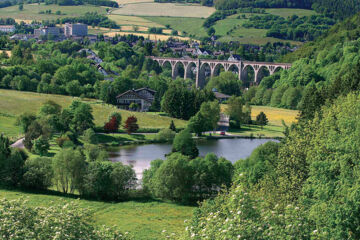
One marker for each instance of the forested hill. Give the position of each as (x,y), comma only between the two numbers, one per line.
(322,70)
(347,30)
(339,9)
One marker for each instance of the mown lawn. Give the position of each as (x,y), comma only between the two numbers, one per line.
(143,219)
(14,103)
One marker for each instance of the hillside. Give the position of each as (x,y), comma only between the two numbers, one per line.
(14,103)
(345,31)
(144,220)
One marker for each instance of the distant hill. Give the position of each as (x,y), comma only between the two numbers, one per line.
(345,31)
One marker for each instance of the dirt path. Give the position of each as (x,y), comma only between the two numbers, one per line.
(18,144)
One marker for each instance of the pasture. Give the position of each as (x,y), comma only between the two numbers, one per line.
(14,103)
(192,26)
(143,219)
(31,11)
(165,9)
(288,12)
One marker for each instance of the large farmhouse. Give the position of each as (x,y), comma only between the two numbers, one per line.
(142,98)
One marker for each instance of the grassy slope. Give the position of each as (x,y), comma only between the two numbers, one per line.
(31,11)
(13,103)
(274,127)
(143,220)
(165,9)
(223,27)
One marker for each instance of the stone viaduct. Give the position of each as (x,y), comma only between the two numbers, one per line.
(203,67)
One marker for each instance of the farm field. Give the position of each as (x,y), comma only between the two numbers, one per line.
(229,29)
(31,11)
(133,20)
(192,26)
(144,220)
(150,36)
(165,9)
(132,1)
(274,128)
(14,103)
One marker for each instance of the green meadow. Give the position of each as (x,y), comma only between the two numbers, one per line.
(143,219)
(14,103)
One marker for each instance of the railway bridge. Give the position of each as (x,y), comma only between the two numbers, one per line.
(207,67)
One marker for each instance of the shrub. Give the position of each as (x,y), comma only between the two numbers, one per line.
(41,146)
(185,144)
(108,181)
(165,135)
(38,173)
(89,136)
(261,119)
(65,221)
(131,125)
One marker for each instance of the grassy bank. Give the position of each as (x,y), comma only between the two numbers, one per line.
(14,103)
(143,219)
(274,129)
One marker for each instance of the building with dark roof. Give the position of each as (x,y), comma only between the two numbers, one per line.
(142,98)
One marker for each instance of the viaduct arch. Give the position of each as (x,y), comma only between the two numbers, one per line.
(203,68)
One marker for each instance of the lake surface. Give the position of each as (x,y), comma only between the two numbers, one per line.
(140,156)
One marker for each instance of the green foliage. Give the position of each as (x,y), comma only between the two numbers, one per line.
(41,146)
(226,82)
(108,181)
(261,119)
(24,120)
(82,116)
(69,168)
(89,136)
(180,102)
(95,153)
(64,221)
(260,163)
(206,119)
(12,168)
(165,135)
(237,112)
(38,173)
(185,144)
(172,126)
(181,179)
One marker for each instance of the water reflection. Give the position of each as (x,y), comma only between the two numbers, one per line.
(140,156)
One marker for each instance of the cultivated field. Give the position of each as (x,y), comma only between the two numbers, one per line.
(31,11)
(275,115)
(165,9)
(144,220)
(132,1)
(14,103)
(274,128)
(132,20)
(192,26)
(146,35)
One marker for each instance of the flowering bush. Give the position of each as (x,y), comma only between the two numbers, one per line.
(18,222)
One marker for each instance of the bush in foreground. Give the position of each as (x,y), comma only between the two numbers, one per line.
(18,221)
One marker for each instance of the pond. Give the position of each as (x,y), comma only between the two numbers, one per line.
(140,156)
